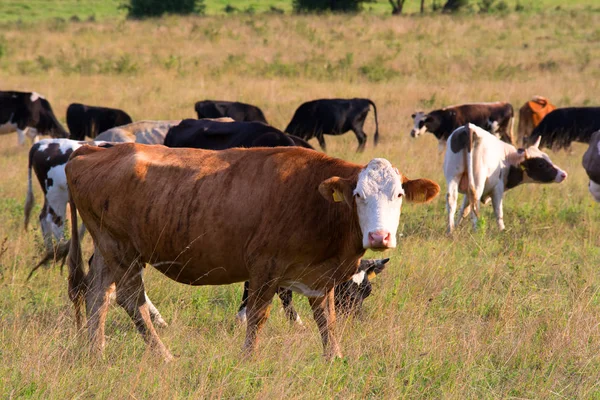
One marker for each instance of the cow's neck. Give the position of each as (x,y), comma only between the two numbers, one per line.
(514,177)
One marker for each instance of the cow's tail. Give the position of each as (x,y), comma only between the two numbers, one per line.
(471,191)
(376,136)
(511,130)
(77,278)
(29,199)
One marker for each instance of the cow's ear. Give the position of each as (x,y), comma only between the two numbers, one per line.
(376,268)
(338,190)
(420,190)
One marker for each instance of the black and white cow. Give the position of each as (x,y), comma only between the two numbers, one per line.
(29,114)
(591,164)
(481,166)
(333,117)
(233,109)
(498,118)
(90,121)
(348,296)
(565,125)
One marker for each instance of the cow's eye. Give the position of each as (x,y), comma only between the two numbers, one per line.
(399,195)
(357,195)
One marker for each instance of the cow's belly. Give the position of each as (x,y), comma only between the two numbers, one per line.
(8,127)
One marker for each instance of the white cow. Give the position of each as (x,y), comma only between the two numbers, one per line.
(481,166)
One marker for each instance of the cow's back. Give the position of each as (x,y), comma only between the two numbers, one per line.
(563,125)
(210,211)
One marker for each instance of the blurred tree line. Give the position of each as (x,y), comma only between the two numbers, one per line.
(155,8)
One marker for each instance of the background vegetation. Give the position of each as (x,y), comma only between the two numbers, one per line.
(483,315)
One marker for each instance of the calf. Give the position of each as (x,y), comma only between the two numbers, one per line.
(591,164)
(565,125)
(219,135)
(144,132)
(90,121)
(29,114)
(333,117)
(497,117)
(237,111)
(348,296)
(530,116)
(481,166)
(226,228)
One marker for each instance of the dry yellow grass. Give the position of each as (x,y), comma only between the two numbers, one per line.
(486,315)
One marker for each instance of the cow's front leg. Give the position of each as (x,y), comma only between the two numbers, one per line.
(324,314)
(21,136)
(497,195)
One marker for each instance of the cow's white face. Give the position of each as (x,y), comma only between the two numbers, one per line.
(419,127)
(377,192)
(378,196)
(594,189)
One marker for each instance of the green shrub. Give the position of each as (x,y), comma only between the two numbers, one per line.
(328,5)
(156,8)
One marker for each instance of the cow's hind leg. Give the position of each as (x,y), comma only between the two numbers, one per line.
(497,203)
(465,209)
(100,285)
(451,200)
(132,297)
(324,314)
(260,296)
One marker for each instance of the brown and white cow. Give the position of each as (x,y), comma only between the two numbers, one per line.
(497,117)
(277,217)
(530,116)
(481,166)
(591,164)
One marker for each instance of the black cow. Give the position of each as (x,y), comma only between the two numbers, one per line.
(217,135)
(241,112)
(90,121)
(28,113)
(565,125)
(332,117)
(348,296)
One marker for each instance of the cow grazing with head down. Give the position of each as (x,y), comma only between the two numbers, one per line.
(29,114)
(90,121)
(591,164)
(497,117)
(241,112)
(333,117)
(226,228)
(212,134)
(481,166)
(348,296)
(530,116)
(565,125)
(144,132)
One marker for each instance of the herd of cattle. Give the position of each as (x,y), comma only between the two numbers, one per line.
(214,197)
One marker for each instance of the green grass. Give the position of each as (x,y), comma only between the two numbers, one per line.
(483,315)
(35,10)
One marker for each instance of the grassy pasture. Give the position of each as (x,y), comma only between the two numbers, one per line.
(483,315)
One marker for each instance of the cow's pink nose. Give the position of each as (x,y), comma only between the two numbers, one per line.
(562,175)
(379,239)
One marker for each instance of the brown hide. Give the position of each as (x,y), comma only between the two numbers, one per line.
(531,114)
(223,217)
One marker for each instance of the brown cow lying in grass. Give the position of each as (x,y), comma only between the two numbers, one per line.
(281,217)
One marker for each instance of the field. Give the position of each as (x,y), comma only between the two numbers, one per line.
(481,315)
